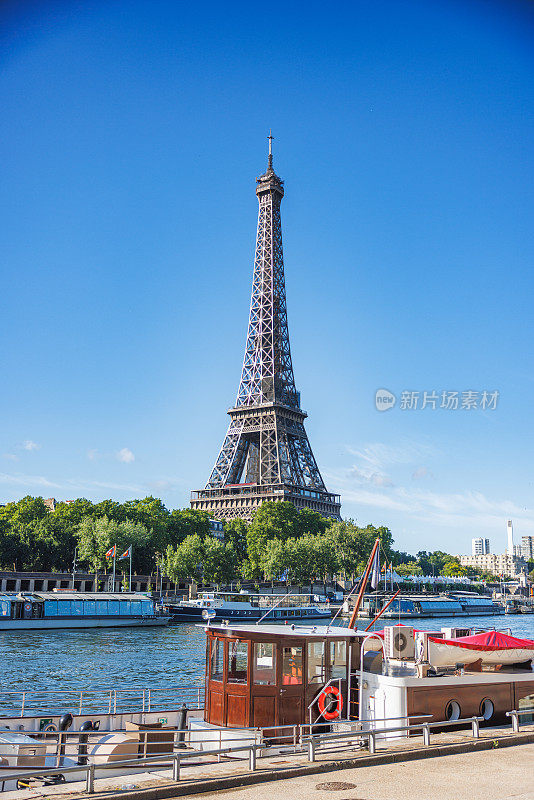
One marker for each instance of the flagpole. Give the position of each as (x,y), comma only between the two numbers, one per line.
(130,583)
(114,557)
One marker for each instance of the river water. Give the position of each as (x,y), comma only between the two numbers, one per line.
(120,658)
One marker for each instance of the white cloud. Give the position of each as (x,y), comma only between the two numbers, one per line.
(366,475)
(167,484)
(367,486)
(27,480)
(81,485)
(125,455)
(456,511)
(93,454)
(29,445)
(421,472)
(381,455)
(11,456)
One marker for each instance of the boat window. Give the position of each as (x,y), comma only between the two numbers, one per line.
(64,608)
(113,607)
(5,608)
(125,608)
(264,665)
(486,709)
(237,662)
(453,710)
(50,608)
(77,607)
(217,660)
(89,608)
(148,608)
(102,607)
(136,607)
(292,665)
(338,659)
(316,671)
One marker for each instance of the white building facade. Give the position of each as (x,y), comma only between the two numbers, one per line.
(509,566)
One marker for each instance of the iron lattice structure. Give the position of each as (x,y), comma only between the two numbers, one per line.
(266,454)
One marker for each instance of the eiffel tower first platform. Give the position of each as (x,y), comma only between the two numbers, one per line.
(266,454)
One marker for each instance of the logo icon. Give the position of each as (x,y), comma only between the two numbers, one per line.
(384,400)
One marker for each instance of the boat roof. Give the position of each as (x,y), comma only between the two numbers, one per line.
(284,631)
(27,595)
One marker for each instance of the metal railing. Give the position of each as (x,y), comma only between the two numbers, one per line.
(105,701)
(314,740)
(296,736)
(515,717)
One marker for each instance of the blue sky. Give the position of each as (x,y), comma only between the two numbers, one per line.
(132,134)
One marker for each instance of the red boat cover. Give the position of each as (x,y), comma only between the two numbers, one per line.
(490,640)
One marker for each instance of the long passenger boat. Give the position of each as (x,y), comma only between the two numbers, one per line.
(249,607)
(49,610)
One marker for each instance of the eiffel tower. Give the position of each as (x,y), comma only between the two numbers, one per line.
(266,454)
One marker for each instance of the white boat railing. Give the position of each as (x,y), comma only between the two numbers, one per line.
(302,741)
(98,701)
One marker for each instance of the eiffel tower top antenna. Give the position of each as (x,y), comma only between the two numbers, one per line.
(270,138)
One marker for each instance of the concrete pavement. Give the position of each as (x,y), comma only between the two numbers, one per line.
(506,774)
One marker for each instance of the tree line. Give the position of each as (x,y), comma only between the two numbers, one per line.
(34,538)
(280,543)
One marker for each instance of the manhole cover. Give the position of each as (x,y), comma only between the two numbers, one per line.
(335,786)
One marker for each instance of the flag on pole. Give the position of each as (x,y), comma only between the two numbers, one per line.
(111,552)
(127,553)
(375,570)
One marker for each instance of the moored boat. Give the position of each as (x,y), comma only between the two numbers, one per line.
(249,607)
(53,610)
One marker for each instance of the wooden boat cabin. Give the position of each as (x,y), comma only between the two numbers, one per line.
(258,676)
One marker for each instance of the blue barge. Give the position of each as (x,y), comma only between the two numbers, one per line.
(52,610)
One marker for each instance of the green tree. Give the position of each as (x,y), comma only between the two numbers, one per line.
(14,550)
(219,561)
(411,568)
(273,560)
(400,557)
(235,532)
(432,563)
(152,513)
(183,522)
(24,511)
(111,509)
(453,569)
(185,560)
(276,520)
(97,536)
(309,521)
(256,543)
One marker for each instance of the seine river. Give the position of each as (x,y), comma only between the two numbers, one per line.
(135,658)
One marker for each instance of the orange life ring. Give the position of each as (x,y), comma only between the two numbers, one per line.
(335,713)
